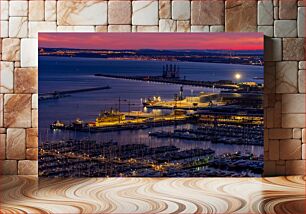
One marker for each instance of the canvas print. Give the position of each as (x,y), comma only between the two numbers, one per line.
(151,104)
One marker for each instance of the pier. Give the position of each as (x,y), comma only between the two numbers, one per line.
(129,124)
(61,94)
(161,79)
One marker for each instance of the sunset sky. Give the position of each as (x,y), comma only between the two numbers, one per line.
(197,41)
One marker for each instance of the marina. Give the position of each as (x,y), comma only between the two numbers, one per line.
(83,158)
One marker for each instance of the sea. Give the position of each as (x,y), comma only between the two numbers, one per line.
(68,73)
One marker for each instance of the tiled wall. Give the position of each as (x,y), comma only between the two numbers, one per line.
(282,20)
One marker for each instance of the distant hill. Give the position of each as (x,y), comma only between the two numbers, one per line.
(249,57)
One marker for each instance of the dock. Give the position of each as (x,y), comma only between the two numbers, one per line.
(161,79)
(61,94)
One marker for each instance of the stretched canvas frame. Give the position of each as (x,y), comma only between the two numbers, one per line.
(123,115)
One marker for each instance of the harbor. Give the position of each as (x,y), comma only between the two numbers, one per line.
(143,128)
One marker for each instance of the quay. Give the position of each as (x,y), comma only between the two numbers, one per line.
(141,124)
(161,79)
(60,94)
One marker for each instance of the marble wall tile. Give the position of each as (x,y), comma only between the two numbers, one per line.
(293,103)
(269,77)
(18,8)
(32,138)
(269,168)
(275,13)
(15,144)
(199,28)
(293,121)
(26,80)
(74,12)
(36,10)
(180,10)
(119,28)
(145,12)
(8,167)
(304,151)
(216,28)
(29,53)
(17,110)
(101,28)
(207,12)
(266,30)
(32,154)
(274,148)
(301,3)
(285,28)
(295,167)
(303,135)
(297,133)
(18,27)
(34,120)
(17,64)
(241,15)
(280,133)
(4,30)
(273,49)
(50,10)
(75,29)
(164,9)
(287,9)
(286,77)
(183,26)
(119,12)
(35,101)
(265,12)
(167,25)
(301,21)
(2,146)
(147,28)
(302,65)
(1,110)
(27,167)
(11,49)
(301,81)
(280,169)
(6,77)
(290,149)
(269,114)
(40,26)
(4,9)
(277,122)
(293,49)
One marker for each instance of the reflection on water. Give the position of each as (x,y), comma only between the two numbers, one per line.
(141,136)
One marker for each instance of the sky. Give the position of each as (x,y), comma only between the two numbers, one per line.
(160,41)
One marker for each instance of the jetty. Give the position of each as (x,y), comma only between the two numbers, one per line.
(161,79)
(61,94)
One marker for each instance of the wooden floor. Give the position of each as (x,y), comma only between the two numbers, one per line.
(153,195)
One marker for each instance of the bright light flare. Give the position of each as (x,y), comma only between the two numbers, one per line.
(238,76)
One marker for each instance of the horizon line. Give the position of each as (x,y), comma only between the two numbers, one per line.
(159,49)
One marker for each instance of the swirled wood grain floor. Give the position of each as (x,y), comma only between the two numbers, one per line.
(26,194)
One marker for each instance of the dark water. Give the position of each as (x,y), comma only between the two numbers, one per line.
(62,73)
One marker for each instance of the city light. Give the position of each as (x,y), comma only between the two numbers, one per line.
(238,76)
